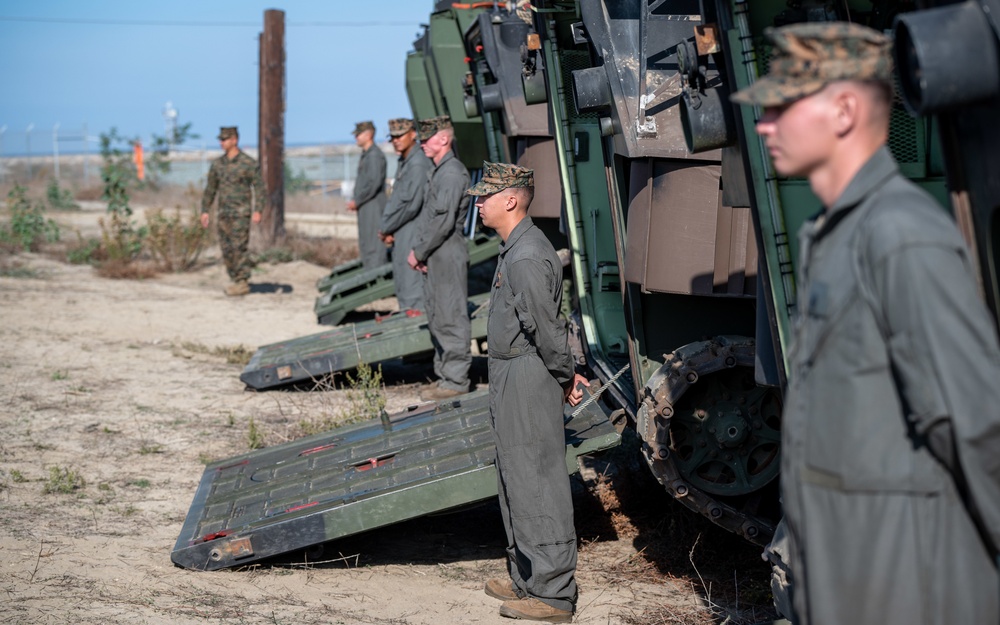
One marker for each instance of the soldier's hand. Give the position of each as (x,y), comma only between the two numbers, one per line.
(255,217)
(412,261)
(572,394)
(204,220)
(351,206)
(388,239)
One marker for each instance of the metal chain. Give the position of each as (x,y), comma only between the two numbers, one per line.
(597,394)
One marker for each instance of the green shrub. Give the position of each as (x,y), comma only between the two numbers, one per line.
(274,255)
(60,199)
(63,480)
(28,227)
(175,242)
(365,395)
(85,252)
(255,436)
(121,238)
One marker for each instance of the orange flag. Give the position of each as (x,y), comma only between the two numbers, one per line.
(140,170)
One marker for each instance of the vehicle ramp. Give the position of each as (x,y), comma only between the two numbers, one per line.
(350,285)
(346,346)
(425,459)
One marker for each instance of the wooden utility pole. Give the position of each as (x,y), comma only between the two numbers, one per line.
(272,124)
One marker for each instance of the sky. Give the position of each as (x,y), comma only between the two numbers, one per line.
(116,63)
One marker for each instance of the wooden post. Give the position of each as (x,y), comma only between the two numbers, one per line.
(272,124)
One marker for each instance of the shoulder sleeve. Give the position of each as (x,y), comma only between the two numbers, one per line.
(211,187)
(944,351)
(445,195)
(406,200)
(537,292)
(371,176)
(259,188)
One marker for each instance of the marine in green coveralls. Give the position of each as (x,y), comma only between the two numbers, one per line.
(442,255)
(369,196)
(398,227)
(890,473)
(531,376)
(231,178)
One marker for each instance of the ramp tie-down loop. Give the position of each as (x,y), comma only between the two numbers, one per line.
(594,396)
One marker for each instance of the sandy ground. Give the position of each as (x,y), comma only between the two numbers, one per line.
(117,382)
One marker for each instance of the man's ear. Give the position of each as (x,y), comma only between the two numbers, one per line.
(848,108)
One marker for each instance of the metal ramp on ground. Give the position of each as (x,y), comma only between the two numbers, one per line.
(350,285)
(345,347)
(426,459)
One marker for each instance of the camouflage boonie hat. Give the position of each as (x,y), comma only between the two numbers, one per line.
(228,131)
(363,126)
(400,126)
(500,176)
(809,56)
(432,126)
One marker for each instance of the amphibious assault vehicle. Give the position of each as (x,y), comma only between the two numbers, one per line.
(681,236)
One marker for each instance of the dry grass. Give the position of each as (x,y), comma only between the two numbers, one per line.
(673,545)
(333,401)
(232,354)
(322,251)
(120,269)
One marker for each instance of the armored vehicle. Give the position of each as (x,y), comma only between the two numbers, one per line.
(681,236)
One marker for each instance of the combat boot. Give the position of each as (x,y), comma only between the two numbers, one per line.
(438,392)
(501,589)
(532,609)
(240,287)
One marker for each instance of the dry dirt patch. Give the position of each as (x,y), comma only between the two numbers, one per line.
(113,396)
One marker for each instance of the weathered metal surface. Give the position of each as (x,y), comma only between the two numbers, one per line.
(418,85)
(342,273)
(524,133)
(501,36)
(637,43)
(714,253)
(349,285)
(345,347)
(445,65)
(426,459)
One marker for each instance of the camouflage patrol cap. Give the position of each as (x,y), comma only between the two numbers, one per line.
(228,131)
(432,126)
(363,126)
(400,126)
(500,176)
(809,56)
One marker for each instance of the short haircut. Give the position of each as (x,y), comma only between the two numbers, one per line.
(524,195)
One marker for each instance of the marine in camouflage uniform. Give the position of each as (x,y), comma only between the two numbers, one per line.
(531,376)
(399,220)
(442,254)
(369,196)
(231,178)
(890,474)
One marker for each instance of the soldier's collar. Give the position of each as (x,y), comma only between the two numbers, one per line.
(515,234)
(871,175)
(447,157)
